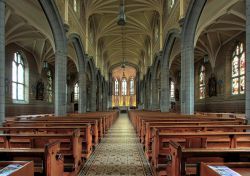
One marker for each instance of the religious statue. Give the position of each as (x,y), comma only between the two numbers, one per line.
(40,90)
(212,86)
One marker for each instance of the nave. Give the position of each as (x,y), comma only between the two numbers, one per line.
(119,153)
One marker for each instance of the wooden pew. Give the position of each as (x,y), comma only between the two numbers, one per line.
(183,158)
(142,122)
(70,147)
(242,168)
(22,168)
(85,134)
(51,123)
(47,161)
(186,128)
(160,146)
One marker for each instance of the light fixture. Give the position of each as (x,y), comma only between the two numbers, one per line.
(122,17)
(45,64)
(205,59)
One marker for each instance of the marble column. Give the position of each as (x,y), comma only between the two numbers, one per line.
(247,105)
(165,91)
(93,96)
(2,61)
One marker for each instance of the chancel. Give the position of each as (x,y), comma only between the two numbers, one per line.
(124,87)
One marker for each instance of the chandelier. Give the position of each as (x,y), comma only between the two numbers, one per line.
(121,17)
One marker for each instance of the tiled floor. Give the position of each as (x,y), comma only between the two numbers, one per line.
(119,153)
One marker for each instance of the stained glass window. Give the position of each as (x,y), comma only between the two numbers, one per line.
(18,77)
(172,90)
(49,86)
(202,84)
(171,3)
(124,86)
(116,87)
(75,5)
(132,86)
(76,92)
(238,70)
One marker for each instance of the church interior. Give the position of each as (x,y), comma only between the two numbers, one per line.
(124,87)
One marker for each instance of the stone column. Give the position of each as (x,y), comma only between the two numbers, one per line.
(100,96)
(60,83)
(110,90)
(247,105)
(2,61)
(82,92)
(155,103)
(165,94)
(137,88)
(93,96)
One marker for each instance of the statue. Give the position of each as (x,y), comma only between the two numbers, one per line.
(212,86)
(40,90)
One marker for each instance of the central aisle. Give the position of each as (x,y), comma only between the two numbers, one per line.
(119,153)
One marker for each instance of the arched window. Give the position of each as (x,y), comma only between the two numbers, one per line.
(171,3)
(49,86)
(18,78)
(116,87)
(132,86)
(124,86)
(172,91)
(238,70)
(76,92)
(202,84)
(75,5)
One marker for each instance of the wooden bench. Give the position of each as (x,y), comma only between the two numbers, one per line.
(70,145)
(85,134)
(182,159)
(47,160)
(160,146)
(242,168)
(19,168)
(187,128)
(95,131)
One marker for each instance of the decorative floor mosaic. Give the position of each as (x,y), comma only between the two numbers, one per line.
(119,153)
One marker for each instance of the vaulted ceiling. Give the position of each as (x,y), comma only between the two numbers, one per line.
(129,42)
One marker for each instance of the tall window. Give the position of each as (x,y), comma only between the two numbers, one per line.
(124,86)
(75,5)
(202,82)
(76,92)
(171,3)
(172,90)
(116,87)
(18,77)
(49,86)
(132,86)
(238,70)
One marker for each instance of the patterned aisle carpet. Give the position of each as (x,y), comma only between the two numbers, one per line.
(119,153)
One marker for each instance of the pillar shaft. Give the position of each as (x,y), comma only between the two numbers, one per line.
(93,96)
(165,99)
(247,105)
(187,79)
(2,61)
(155,101)
(60,83)
(82,92)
